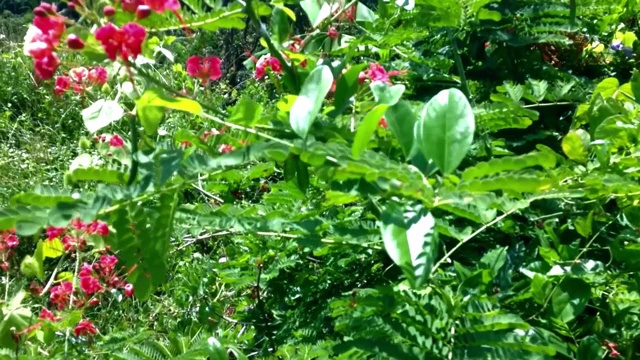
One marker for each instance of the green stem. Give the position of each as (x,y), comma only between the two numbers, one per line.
(459,66)
(133,173)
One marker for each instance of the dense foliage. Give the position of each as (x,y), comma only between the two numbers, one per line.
(430,179)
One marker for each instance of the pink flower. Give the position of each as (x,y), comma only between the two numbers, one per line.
(79,74)
(98,76)
(108,263)
(205,69)
(61,294)
(54,232)
(74,42)
(85,270)
(70,242)
(11,241)
(161,6)
(126,41)
(90,285)
(62,84)
(225,148)
(267,62)
(84,328)
(128,290)
(45,314)
(116,141)
(46,66)
(377,72)
(99,227)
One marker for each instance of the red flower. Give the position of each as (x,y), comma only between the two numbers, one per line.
(267,62)
(74,42)
(377,72)
(207,134)
(143,12)
(333,33)
(161,6)
(108,263)
(383,122)
(4,266)
(61,294)
(45,314)
(11,241)
(109,10)
(93,302)
(131,5)
(46,66)
(84,328)
(128,290)
(126,41)
(54,232)
(612,347)
(85,270)
(62,84)
(205,69)
(99,227)
(225,148)
(79,74)
(185,143)
(77,223)
(116,141)
(90,285)
(97,76)
(69,242)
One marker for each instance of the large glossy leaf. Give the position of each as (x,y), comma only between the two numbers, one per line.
(366,129)
(309,102)
(445,132)
(149,108)
(570,299)
(576,145)
(401,120)
(410,241)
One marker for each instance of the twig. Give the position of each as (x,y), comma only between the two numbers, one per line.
(468,238)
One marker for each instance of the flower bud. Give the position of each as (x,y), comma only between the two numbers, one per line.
(71,6)
(74,42)
(142,12)
(333,33)
(109,11)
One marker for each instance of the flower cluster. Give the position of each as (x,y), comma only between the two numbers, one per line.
(75,237)
(80,79)
(348,14)
(127,42)
(265,63)
(114,140)
(8,243)
(377,72)
(204,68)
(42,38)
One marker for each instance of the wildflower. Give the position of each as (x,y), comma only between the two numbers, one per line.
(11,241)
(99,227)
(143,12)
(63,83)
(612,347)
(377,72)
(74,42)
(84,328)
(35,288)
(90,285)
(205,69)
(4,266)
(383,122)
(77,223)
(46,66)
(45,314)
(97,76)
(333,33)
(54,232)
(128,290)
(79,74)
(185,143)
(108,263)
(225,148)
(41,39)
(267,62)
(616,45)
(161,6)
(70,242)
(130,5)
(116,141)
(207,134)
(126,41)
(85,270)
(93,302)
(61,294)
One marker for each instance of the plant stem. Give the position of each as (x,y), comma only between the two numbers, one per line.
(459,65)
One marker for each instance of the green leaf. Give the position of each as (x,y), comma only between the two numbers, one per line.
(246,112)
(570,299)
(109,176)
(34,265)
(149,108)
(410,241)
(16,316)
(346,87)
(366,129)
(510,163)
(584,225)
(385,94)
(100,114)
(576,145)
(280,24)
(590,348)
(635,85)
(445,132)
(401,121)
(485,14)
(606,87)
(363,13)
(522,182)
(309,101)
